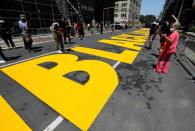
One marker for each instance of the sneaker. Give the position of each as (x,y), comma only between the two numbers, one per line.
(2,61)
(59,51)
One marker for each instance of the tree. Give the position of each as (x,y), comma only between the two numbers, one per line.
(149,19)
(142,18)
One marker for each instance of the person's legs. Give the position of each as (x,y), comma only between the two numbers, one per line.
(11,41)
(69,39)
(60,42)
(160,64)
(154,36)
(83,34)
(5,38)
(57,44)
(166,64)
(64,35)
(24,39)
(55,36)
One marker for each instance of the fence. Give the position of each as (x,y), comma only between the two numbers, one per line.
(186,53)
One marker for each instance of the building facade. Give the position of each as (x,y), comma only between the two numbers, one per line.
(184,10)
(81,10)
(127,11)
(41,13)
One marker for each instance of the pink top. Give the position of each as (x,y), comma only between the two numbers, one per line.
(171,48)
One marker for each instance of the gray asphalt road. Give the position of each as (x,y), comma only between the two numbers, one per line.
(143,100)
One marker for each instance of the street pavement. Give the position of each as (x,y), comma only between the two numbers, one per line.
(143,100)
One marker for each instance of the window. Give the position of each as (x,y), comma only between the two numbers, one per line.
(124,9)
(116,10)
(124,4)
(115,15)
(123,15)
(116,5)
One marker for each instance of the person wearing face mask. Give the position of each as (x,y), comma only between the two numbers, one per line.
(168,47)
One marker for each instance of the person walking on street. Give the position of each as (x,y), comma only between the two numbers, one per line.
(5,32)
(101,28)
(168,47)
(88,27)
(65,28)
(152,34)
(23,25)
(106,27)
(67,33)
(113,27)
(57,35)
(98,27)
(80,30)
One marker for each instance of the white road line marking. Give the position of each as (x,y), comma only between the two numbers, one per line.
(54,124)
(27,59)
(35,57)
(116,64)
(22,45)
(59,119)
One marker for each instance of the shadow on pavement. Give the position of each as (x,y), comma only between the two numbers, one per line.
(37,48)
(13,58)
(155,55)
(138,81)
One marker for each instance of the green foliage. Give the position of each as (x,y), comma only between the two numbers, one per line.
(142,18)
(147,19)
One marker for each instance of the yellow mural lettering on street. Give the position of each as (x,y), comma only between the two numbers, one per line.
(10,121)
(78,103)
(126,56)
(123,43)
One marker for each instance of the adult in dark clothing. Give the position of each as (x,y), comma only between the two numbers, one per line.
(80,30)
(67,33)
(101,28)
(63,25)
(5,32)
(152,34)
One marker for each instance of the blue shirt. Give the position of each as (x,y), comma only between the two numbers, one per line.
(22,25)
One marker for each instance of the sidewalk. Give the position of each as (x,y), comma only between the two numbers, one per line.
(18,41)
(43,38)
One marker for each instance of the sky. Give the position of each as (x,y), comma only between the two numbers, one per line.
(153,7)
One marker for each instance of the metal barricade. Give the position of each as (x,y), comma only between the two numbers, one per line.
(186,55)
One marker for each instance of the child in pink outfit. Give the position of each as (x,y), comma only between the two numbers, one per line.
(168,47)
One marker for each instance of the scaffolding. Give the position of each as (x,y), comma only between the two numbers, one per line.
(41,13)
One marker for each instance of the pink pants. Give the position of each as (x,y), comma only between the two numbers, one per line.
(163,63)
